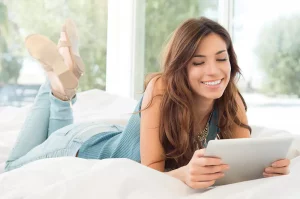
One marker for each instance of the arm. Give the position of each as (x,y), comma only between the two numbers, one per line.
(152,152)
(238,131)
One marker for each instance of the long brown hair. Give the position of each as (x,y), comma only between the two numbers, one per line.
(178,121)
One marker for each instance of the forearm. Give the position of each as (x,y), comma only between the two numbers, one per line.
(177,173)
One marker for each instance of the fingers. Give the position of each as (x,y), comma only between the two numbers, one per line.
(206,177)
(198,170)
(280,167)
(271,174)
(214,169)
(199,153)
(206,161)
(199,159)
(200,185)
(204,171)
(206,165)
(274,170)
(281,163)
(203,181)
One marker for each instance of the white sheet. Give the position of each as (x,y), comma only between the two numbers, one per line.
(120,178)
(117,178)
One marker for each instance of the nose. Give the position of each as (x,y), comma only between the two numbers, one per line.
(211,68)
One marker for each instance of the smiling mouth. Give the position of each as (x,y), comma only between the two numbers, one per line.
(212,83)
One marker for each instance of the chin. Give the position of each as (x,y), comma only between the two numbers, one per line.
(212,96)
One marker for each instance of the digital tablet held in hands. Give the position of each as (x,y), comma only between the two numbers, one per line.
(247,157)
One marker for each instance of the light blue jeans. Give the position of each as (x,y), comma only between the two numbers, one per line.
(49,131)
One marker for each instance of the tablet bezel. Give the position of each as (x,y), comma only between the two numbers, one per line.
(247,157)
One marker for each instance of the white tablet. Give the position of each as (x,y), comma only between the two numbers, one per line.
(247,157)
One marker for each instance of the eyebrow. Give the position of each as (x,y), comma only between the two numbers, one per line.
(219,52)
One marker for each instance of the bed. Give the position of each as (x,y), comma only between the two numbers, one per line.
(70,177)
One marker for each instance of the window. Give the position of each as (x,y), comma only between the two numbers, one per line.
(266,40)
(265,36)
(163,17)
(20,75)
(137,30)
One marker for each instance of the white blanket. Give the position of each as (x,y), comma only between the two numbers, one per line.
(119,178)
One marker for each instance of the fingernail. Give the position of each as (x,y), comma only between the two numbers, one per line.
(227,167)
(268,169)
(274,165)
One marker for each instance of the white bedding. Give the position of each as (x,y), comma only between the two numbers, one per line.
(119,178)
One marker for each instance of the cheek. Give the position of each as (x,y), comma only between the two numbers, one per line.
(228,75)
(227,71)
(193,76)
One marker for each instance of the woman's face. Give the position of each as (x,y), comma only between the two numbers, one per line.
(209,69)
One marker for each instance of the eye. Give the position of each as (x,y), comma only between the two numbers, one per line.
(222,59)
(197,63)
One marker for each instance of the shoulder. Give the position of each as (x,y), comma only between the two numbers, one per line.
(241,129)
(241,104)
(155,85)
(154,88)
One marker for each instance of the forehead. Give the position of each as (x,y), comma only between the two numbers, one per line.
(211,44)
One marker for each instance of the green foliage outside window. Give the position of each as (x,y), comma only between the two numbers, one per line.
(46,17)
(163,17)
(278,53)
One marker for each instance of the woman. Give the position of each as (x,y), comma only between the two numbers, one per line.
(193,100)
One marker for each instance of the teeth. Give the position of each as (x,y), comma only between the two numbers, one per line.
(212,83)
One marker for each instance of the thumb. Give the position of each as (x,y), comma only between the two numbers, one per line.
(199,153)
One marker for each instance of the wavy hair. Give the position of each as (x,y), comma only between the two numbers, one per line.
(178,121)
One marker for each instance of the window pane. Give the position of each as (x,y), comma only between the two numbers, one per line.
(20,75)
(163,17)
(267,46)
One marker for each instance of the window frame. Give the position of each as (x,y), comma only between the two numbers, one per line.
(126,44)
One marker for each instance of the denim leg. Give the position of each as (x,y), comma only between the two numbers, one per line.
(61,113)
(63,142)
(35,128)
(47,115)
(59,144)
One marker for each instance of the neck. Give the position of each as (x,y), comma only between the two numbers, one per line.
(203,107)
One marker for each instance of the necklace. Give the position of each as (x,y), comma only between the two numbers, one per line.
(201,137)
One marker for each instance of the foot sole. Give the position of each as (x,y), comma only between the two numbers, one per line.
(46,52)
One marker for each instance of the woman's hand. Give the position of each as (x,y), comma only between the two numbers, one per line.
(278,168)
(202,172)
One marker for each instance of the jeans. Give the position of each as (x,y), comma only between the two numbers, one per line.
(49,131)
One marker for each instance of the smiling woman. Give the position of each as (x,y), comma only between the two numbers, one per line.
(183,108)
(210,67)
(197,87)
